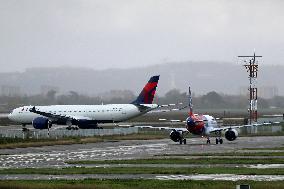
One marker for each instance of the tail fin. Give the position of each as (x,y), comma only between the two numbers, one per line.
(190,102)
(147,94)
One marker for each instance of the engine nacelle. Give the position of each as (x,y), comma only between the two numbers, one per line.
(40,123)
(190,122)
(175,135)
(231,134)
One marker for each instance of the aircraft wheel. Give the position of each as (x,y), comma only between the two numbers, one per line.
(208,141)
(217,140)
(180,141)
(184,141)
(221,141)
(25,129)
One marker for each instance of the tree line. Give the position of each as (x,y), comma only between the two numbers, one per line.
(210,100)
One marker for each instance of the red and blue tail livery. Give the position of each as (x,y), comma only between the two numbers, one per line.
(147,94)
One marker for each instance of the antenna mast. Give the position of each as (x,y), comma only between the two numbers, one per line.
(251,65)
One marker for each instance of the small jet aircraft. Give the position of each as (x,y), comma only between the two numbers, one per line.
(205,126)
(86,116)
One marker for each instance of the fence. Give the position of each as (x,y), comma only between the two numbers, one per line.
(61,133)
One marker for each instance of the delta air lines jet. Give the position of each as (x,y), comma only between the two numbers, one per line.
(86,116)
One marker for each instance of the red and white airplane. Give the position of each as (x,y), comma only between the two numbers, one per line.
(205,126)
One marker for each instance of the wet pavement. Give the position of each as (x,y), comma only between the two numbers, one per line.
(227,177)
(56,156)
(256,166)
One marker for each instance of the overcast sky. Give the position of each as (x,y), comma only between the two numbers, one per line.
(105,34)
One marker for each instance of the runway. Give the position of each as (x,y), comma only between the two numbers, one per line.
(226,177)
(56,156)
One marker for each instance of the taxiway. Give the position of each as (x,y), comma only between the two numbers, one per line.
(56,156)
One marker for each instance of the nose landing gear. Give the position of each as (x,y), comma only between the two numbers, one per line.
(208,140)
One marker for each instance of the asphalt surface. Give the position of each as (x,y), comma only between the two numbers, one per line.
(56,156)
(227,177)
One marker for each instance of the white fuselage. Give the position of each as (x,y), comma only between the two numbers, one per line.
(209,124)
(99,113)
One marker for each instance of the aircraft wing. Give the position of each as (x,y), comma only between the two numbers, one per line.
(169,108)
(181,129)
(239,126)
(57,116)
(78,117)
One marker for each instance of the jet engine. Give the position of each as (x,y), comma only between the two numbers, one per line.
(175,136)
(190,122)
(231,134)
(40,123)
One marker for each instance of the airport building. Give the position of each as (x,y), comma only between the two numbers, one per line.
(9,90)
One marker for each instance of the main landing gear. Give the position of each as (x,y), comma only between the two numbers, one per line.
(208,140)
(72,128)
(182,141)
(24,129)
(219,140)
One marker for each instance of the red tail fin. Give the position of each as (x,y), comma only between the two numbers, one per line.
(147,94)
(190,102)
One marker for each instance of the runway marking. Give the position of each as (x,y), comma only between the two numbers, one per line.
(58,158)
(226,177)
(219,177)
(55,156)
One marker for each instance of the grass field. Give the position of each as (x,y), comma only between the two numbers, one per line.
(137,184)
(10,143)
(143,170)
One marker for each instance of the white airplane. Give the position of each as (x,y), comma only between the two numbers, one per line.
(86,116)
(205,126)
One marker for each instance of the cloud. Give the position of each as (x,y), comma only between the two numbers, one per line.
(129,33)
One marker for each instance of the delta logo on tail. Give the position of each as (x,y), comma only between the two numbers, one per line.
(147,94)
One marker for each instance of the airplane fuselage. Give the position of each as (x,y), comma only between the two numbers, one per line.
(96,113)
(201,124)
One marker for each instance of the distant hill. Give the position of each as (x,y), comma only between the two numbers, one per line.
(203,77)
